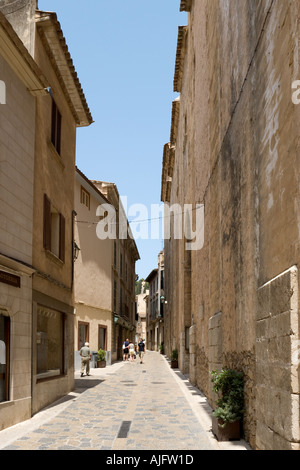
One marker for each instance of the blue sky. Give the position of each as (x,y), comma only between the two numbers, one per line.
(124,53)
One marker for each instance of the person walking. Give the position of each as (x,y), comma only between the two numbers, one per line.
(131,350)
(125,350)
(86,356)
(141,350)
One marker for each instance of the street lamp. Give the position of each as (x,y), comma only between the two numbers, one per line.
(76,250)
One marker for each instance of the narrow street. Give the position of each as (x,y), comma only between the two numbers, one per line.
(126,406)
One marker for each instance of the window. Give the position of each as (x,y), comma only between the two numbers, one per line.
(54,230)
(115,296)
(126,310)
(162,306)
(85,198)
(121,265)
(4,357)
(56,127)
(115,255)
(102,337)
(50,343)
(121,300)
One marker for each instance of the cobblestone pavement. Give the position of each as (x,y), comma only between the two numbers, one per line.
(127,406)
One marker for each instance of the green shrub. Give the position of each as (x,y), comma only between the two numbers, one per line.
(101,355)
(174,355)
(229,385)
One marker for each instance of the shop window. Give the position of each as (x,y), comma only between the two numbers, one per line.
(50,343)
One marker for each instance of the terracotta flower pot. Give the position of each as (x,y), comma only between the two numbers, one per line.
(174,364)
(101,364)
(231,432)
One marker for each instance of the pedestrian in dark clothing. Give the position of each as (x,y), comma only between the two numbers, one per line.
(125,350)
(141,349)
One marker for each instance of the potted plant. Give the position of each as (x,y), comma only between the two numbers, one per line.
(227,417)
(161,348)
(174,359)
(101,358)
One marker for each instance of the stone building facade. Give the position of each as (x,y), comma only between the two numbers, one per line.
(156,306)
(141,313)
(104,274)
(57,115)
(93,273)
(19,74)
(234,149)
(123,254)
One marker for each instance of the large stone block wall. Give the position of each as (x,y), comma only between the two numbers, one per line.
(17,147)
(237,152)
(277,363)
(17,140)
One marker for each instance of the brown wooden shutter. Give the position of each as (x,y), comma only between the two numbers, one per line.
(58,132)
(47,223)
(62,237)
(56,127)
(53,123)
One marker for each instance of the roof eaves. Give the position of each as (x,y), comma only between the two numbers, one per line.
(180,55)
(56,47)
(18,57)
(152,275)
(167,172)
(90,183)
(163,195)
(175,120)
(185,5)
(119,207)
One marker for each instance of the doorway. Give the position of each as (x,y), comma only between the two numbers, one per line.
(119,343)
(4,357)
(102,337)
(83,334)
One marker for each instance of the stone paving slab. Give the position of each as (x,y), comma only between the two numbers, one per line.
(127,406)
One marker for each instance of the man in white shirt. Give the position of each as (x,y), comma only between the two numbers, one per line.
(86,356)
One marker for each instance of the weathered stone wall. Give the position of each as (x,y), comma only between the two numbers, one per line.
(17,139)
(277,363)
(237,152)
(17,143)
